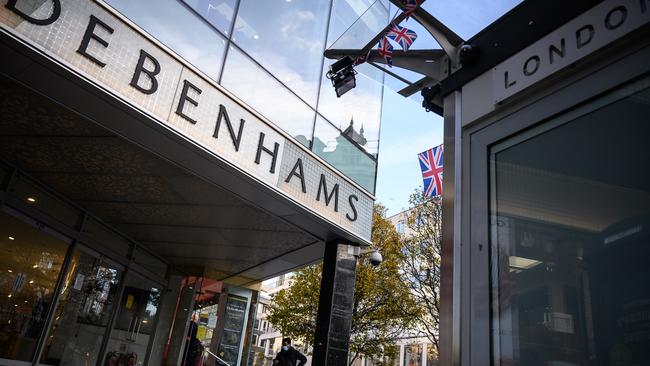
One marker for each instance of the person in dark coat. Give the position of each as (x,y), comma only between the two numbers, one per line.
(289,356)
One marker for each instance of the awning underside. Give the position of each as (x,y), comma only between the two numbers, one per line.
(195,225)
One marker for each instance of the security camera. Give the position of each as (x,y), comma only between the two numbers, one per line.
(376,258)
(467,54)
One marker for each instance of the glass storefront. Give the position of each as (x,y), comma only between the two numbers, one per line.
(30,264)
(59,297)
(83,312)
(570,237)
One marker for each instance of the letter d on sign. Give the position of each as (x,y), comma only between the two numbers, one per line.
(56,12)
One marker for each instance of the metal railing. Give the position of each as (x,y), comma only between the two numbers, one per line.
(206,352)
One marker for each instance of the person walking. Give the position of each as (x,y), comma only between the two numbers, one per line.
(288,356)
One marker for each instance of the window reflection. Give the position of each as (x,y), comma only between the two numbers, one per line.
(259,90)
(217,12)
(135,321)
(413,355)
(30,263)
(287,38)
(361,104)
(355,22)
(179,29)
(85,306)
(571,239)
(344,150)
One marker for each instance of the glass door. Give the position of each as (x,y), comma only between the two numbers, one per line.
(83,312)
(571,236)
(135,322)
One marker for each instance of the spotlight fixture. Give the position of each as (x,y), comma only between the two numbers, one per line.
(31,199)
(342,75)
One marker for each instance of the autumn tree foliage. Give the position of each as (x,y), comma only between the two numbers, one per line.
(421,269)
(384,306)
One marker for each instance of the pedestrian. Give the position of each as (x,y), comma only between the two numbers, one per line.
(288,356)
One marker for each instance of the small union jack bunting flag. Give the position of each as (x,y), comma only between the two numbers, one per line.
(386,50)
(402,35)
(431,165)
(360,59)
(410,6)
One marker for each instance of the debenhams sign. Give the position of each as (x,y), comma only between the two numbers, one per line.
(89,39)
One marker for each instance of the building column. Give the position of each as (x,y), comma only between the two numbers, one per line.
(335,305)
(180,325)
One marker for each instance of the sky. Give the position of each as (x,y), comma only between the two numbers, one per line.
(406,129)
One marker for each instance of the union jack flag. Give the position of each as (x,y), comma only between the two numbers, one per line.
(402,35)
(386,50)
(410,6)
(431,165)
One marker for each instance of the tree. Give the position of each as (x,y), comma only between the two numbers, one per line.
(383,306)
(421,271)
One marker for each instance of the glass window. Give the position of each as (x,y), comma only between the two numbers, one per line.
(571,239)
(30,263)
(361,105)
(178,28)
(432,355)
(400,227)
(344,150)
(287,38)
(355,22)
(84,308)
(219,13)
(135,322)
(258,89)
(36,197)
(413,355)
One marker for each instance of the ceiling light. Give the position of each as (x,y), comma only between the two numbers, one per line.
(31,199)
(12,238)
(32,281)
(10,271)
(522,263)
(9,296)
(35,266)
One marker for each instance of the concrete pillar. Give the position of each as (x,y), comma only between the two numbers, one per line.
(335,305)
(165,320)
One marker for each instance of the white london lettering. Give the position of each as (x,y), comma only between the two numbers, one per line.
(591,34)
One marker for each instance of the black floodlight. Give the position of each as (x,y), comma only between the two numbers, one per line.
(342,75)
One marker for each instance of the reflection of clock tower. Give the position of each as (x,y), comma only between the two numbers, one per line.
(353,135)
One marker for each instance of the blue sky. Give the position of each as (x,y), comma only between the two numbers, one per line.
(406,129)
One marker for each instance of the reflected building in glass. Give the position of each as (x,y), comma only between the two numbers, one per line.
(270,55)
